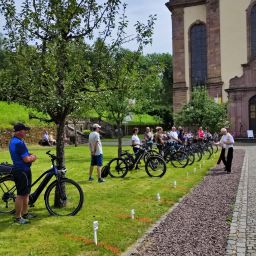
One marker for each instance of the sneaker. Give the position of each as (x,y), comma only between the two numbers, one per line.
(28,216)
(100,180)
(91,179)
(21,221)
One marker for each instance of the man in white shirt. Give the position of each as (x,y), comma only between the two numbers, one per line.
(173,136)
(226,155)
(96,152)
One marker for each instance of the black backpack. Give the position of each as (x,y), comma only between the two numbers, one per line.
(6,168)
(105,171)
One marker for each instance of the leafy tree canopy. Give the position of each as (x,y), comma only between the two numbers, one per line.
(202,111)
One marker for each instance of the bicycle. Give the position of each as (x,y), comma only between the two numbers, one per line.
(62,197)
(155,165)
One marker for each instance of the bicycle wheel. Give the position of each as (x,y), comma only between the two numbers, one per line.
(118,168)
(149,153)
(207,153)
(67,204)
(155,166)
(179,159)
(215,148)
(198,156)
(129,159)
(7,194)
(191,158)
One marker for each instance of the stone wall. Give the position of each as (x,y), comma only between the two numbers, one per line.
(33,136)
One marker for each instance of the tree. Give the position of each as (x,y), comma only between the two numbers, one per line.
(50,69)
(202,111)
(163,103)
(136,88)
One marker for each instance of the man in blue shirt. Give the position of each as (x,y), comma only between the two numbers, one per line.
(22,161)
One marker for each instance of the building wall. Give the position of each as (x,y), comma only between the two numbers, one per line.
(191,15)
(233,38)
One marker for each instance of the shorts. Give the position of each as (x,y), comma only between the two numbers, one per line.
(22,181)
(97,160)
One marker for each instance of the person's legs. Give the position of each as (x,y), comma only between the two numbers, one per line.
(19,202)
(25,205)
(136,153)
(222,157)
(229,159)
(93,163)
(90,173)
(22,181)
(99,166)
(99,171)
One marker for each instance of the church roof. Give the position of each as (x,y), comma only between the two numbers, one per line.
(172,4)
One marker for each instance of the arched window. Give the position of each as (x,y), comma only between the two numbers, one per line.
(253,31)
(198,54)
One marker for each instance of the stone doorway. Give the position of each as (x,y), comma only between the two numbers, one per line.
(252,114)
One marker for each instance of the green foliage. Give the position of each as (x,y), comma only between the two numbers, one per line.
(202,111)
(160,103)
(55,74)
(86,132)
(11,113)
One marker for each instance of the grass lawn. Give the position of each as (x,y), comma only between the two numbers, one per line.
(109,203)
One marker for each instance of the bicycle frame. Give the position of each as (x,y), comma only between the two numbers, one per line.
(48,175)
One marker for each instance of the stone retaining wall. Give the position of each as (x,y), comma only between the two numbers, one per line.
(33,136)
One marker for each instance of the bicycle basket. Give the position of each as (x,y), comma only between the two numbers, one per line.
(5,168)
(105,171)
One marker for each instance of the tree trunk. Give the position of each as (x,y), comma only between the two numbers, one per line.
(60,160)
(60,144)
(119,136)
(75,132)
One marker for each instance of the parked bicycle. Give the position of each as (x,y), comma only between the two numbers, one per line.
(155,165)
(62,197)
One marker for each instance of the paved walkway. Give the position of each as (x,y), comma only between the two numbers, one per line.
(242,237)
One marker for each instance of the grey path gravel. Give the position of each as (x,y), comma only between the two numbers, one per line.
(200,224)
(242,237)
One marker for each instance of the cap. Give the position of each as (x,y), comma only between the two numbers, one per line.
(19,126)
(96,126)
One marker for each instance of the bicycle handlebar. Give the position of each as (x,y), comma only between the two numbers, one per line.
(53,157)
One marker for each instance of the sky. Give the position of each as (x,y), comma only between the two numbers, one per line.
(139,10)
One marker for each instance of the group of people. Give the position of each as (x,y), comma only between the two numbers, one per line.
(23,159)
(175,135)
(180,136)
(47,139)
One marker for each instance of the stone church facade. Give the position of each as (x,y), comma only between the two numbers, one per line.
(214,44)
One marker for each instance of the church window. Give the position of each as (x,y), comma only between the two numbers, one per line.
(253,31)
(198,51)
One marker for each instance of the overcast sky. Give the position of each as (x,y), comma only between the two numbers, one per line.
(139,10)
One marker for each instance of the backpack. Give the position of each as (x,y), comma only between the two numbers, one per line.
(6,168)
(105,171)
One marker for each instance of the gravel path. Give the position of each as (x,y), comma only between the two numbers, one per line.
(200,224)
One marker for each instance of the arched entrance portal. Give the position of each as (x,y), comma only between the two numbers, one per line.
(252,114)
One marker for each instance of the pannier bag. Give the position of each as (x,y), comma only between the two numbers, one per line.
(105,171)
(5,168)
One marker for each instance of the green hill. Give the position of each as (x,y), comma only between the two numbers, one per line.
(11,113)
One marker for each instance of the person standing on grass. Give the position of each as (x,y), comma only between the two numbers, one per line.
(226,155)
(96,152)
(136,144)
(22,161)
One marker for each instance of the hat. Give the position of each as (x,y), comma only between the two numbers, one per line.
(19,126)
(96,126)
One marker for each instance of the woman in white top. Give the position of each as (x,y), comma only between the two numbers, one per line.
(135,143)
(226,155)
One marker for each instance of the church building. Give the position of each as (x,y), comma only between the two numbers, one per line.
(214,44)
